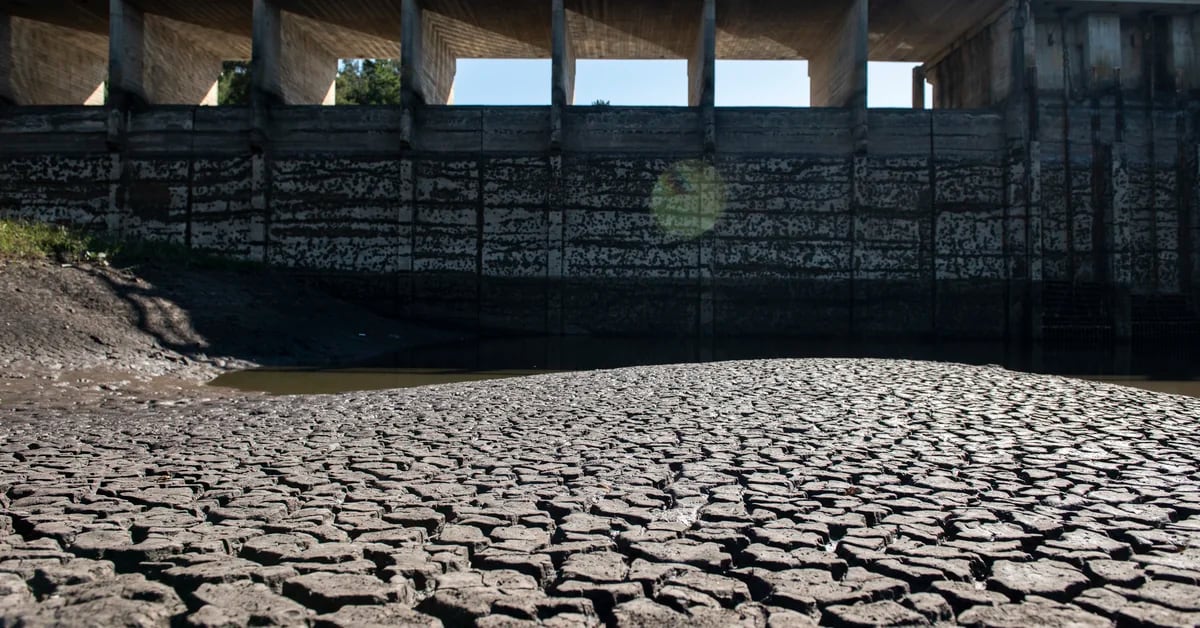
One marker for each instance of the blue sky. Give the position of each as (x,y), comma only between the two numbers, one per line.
(739,83)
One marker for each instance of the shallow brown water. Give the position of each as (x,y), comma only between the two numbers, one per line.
(1189,388)
(323,382)
(1160,369)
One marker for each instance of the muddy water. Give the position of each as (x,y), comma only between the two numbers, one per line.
(1172,369)
(1190,388)
(331,381)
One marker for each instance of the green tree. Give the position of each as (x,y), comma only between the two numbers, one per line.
(233,88)
(369,82)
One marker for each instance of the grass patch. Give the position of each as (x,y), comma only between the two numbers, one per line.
(23,240)
(35,241)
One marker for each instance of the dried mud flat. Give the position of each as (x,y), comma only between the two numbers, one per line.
(781,493)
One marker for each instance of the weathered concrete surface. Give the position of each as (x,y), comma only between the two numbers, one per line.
(610,29)
(787,492)
(153,59)
(47,64)
(292,62)
(628,227)
(479,221)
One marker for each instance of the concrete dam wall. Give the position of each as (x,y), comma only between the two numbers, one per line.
(632,226)
(1051,192)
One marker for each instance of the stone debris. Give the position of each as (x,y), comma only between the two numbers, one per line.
(774,493)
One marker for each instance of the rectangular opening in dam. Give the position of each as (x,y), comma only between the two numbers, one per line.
(642,82)
(890,85)
(502,82)
(762,83)
(367,82)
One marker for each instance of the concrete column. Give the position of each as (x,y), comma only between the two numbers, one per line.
(563,55)
(8,89)
(289,66)
(562,88)
(918,87)
(126,54)
(45,64)
(702,65)
(839,72)
(976,72)
(266,87)
(1101,35)
(427,67)
(156,60)
(1182,56)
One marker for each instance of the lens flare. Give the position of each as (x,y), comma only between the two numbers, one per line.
(688,199)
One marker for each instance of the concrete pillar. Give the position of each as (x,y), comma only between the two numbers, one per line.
(1182,56)
(839,71)
(8,89)
(563,55)
(918,87)
(702,65)
(45,64)
(289,66)
(156,60)
(126,54)
(1101,35)
(427,66)
(976,72)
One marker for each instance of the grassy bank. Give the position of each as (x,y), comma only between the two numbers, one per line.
(36,241)
(23,240)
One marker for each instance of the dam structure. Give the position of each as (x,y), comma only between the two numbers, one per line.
(1050,190)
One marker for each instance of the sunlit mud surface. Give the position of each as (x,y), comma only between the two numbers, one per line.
(846,492)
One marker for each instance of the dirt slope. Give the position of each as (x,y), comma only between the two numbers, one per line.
(98,328)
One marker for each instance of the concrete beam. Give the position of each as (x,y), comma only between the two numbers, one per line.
(563,57)
(289,63)
(427,66)
(46,64)
(1102,54)
(702,65)
(839,70)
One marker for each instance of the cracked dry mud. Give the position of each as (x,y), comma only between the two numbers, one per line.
(783,493)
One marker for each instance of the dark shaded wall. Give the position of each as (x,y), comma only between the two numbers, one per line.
(633,227)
